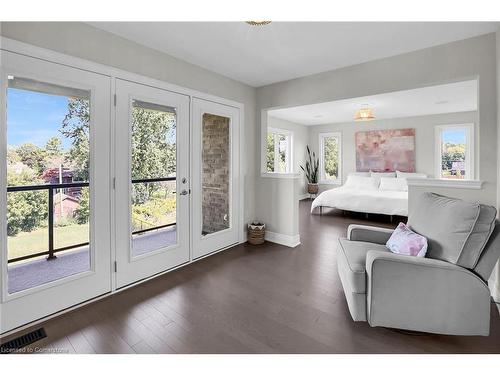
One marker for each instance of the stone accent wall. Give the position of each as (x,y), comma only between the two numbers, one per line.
(215,179)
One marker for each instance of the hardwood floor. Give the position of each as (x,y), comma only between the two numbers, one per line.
(249,299)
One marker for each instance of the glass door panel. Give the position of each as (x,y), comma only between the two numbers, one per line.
(153,170)
(48,160)
(215,170)
(55,183)
(152,190)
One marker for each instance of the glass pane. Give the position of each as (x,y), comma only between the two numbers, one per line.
(453,153)
(331,158)
(216,173)
(153,220)
(270,152)
(282,152)
(48,144)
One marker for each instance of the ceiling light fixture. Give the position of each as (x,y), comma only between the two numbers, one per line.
(258,23)
(364,114)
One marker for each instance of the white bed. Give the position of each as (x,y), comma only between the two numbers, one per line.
(367,201)
(371,193)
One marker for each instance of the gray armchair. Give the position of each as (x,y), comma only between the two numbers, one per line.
(446,292)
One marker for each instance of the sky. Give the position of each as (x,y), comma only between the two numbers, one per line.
(454,136)
(35,117)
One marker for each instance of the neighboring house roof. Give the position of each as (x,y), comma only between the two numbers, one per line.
(51,173)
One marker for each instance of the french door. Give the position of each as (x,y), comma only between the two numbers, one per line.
(152,181)
(215,177)
(54,188)
(89,205)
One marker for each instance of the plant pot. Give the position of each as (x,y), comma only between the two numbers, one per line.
(312,188)
(256,233)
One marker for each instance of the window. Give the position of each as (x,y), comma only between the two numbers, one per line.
(455,152)
(153,171)
(330,158)
(279,151)
(48,174)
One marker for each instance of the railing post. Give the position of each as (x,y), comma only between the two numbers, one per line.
(51,224)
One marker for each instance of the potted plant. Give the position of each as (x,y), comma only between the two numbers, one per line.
(311,171)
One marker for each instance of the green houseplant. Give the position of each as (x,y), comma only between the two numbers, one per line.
(311,171)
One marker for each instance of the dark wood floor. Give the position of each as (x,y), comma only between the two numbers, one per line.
(264,299)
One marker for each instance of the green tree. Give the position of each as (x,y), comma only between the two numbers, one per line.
(33,156)
(270,152)
(153,149)
(82,213)
(12,155)
(75,126)
(452,152)
(53,147)
(331,153)
(26,210)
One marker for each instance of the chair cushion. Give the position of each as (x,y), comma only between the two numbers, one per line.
(456,230)
(351,260)
(480,235)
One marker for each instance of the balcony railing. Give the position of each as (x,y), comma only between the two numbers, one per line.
(50,188)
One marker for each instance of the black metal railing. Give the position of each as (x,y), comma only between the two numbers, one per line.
(72,185)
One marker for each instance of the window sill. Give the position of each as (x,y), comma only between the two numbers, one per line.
(445,183)
(280,175)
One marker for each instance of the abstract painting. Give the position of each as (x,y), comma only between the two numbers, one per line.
(385,150)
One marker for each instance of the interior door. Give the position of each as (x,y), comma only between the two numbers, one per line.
(54,188)
(152,187)
(215,176)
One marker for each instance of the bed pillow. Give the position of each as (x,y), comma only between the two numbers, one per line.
(410,175)
(382,174)
(361,183)
(379,175)
(393,184)
(406,242)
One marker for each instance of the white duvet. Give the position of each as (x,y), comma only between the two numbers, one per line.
(368,201)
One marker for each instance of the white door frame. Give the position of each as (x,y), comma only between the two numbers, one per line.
(30,304)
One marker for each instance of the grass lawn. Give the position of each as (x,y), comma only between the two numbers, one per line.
(26,243)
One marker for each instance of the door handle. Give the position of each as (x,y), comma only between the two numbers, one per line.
(184,192)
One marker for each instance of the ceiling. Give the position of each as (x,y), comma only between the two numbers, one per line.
(448,98)
(261,55)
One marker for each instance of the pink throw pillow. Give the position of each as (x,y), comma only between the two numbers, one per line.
(405,241)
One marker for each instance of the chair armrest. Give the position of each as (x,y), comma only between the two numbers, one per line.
(423,294)
(365,233)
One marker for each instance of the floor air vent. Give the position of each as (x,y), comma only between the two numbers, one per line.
(20,342)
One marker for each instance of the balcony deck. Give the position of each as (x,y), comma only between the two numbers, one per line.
(32,273)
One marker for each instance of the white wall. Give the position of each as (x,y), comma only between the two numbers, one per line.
(457,61)
(87,42)
(300,141)
(495,277)
(424,137)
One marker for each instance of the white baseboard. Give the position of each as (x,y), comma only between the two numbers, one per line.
(303,196)
(283,239)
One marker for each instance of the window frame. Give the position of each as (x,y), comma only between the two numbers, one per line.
(288,154)
(470,173)
(322,176)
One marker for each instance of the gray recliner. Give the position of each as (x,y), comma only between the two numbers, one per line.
(446,292)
